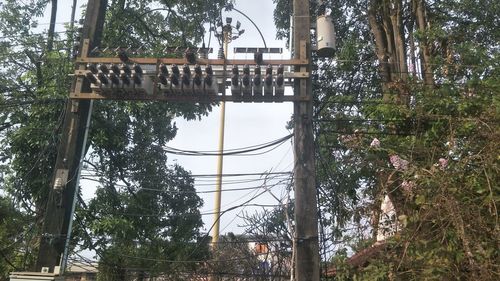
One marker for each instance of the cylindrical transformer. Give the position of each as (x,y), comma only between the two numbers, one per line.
(325,34)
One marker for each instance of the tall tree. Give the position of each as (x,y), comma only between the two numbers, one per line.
(407,109)
(35,80)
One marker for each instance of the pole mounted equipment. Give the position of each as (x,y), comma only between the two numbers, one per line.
(325,33)
(150,79)
(56,230)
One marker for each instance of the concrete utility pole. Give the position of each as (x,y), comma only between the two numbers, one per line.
(220,161)
(306,215)
(71,150)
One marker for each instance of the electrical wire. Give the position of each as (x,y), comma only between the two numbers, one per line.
(246,203)
(91,263)
(28,35)
(365,133)
(198,244)
(230,152)
(249,239)
(206,183)
(255,196)
(377,62)
(24,103)
(226,175)
(56,23)
(426,118)
(10,44)
(239,149)
(181,191)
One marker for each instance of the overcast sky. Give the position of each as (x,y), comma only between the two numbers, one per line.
(246,125)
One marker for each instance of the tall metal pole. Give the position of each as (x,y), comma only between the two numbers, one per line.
(59,211)
(220,160)
(306,216)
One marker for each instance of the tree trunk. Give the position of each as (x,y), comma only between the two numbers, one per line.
(411,38)
(52,26)
(380,44)
(400,46)
(401,66)
(386,24)
(425,54)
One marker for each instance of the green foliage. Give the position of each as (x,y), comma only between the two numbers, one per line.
(234,258)
(16,236)
(31,102)
(124,146)
(447,196)
(8,220)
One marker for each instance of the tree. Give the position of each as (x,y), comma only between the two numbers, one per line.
(407,109)
(34,89)
(12,222)
(270,230)
(235,259)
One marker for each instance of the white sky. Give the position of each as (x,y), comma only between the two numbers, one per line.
(246,125)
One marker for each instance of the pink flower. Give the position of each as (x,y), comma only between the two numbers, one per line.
(408,186)
(347,138)
(443,163)
(398,163)
(375,143)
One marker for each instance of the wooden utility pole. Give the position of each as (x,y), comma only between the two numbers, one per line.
(306,215)
(61,203)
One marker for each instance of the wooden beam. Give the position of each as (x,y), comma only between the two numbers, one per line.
(181,61)
(141,96)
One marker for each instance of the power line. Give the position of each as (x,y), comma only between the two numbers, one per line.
(181,191)
(234,149)
(365,133)
(160,215)
(430,118)
(376,61)
(229,182)
(57,23)
(207,183)
(224,175)
(40,101)
(24,36)
(231,152)
(10,44)
(246,203)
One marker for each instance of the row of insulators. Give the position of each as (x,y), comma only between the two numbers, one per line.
(175,78)
(183,80)
(257,78)
(114,73)
(177,81)
(257,85)
(240,84)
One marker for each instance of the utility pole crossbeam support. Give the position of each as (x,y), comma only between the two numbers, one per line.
(56,231)
(58,218)
(307,267)
(157,84)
